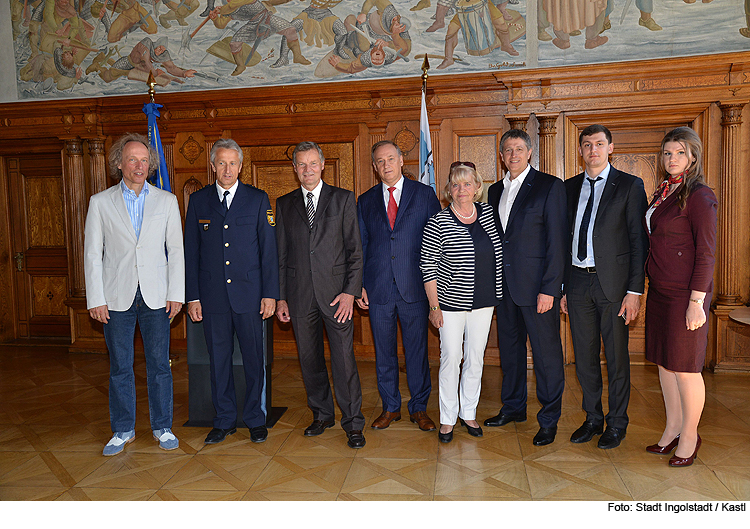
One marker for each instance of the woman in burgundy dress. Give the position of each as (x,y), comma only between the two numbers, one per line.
(681,222)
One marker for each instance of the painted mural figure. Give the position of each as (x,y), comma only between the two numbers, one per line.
(60,67)
(59,20)
(745,32)
(376,56)
(385,23)
(145,57)
(484,29)
(259,25)
(132,15)
(646,7)
(178,10)
(568,16)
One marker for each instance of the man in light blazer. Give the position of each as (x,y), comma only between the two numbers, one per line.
(135,272)
(232,273)
(392,216)
(604,280)
(320,274)
(529,210)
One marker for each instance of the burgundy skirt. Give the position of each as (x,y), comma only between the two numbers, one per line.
(668,341)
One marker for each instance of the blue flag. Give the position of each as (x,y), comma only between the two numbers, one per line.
(426,167)
(161,177)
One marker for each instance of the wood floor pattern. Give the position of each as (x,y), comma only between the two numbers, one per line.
(54,422)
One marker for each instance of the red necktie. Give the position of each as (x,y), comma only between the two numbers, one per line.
(392,207)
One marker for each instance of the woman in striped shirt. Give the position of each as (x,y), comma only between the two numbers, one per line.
(461,264)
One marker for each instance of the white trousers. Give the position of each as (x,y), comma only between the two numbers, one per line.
(462,336)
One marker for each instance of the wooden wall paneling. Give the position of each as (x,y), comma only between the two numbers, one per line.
(8,319)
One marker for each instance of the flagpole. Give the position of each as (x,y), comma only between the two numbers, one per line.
(151,82)
(425,67)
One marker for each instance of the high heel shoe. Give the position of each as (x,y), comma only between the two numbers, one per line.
(475,432)
(662,450)
(445,437)
(675,461)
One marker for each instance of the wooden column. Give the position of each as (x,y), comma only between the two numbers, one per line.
(97,166)
(517,122)
(730,178)
(169,158)
(74,180)
(547,133)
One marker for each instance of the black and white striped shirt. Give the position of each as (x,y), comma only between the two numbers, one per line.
(448,257)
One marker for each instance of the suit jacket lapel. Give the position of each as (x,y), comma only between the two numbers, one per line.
(613,180)
(522,194)
(119,203)
(238,202)
(573,200)
(407,193)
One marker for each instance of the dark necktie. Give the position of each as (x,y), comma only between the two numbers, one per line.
(224,202)
(392,207)
(310,209)
(583,233)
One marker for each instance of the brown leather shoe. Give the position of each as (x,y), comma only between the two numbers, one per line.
(423,421)
(385,420)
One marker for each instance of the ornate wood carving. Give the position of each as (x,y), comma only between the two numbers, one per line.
(74,181)
(547,133)
(97,166)
(731,187)
(517,122)
(190,187)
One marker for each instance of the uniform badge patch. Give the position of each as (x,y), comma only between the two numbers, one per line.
(269,215)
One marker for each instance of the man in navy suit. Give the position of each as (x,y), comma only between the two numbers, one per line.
(530,213)
(392,216)
(232,284)
(604,280)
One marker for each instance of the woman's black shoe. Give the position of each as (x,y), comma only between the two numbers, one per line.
(475,432)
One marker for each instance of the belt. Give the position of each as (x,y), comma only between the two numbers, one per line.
(589,269)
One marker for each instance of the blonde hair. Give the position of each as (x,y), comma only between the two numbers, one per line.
(690,140)
(459,173)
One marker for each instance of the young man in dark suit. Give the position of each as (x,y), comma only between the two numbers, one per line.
(320,274)
(604,280)
(529,210)
(392,216)
(232,285)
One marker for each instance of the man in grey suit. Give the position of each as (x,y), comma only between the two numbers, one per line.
(320,273)
(604,280)
(135,272)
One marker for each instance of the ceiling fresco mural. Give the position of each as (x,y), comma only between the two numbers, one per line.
(88,48)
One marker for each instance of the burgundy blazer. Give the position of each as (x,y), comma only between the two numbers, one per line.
(683,242)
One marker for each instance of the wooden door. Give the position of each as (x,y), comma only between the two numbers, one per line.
(38,241)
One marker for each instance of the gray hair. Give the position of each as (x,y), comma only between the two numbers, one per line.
(225,143)
(115,154)
(380,144)
(307,146)
(515,133)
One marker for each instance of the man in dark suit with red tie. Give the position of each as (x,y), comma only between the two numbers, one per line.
(392,216)
(604,280)
(232,284)
(320,274)
(529,210)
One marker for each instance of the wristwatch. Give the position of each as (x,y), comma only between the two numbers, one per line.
(434,308)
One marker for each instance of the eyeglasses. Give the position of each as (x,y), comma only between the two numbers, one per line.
(467,164)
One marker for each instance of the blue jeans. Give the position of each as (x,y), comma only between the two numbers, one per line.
(119,333)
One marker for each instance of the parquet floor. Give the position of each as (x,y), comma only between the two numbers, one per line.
(54,422)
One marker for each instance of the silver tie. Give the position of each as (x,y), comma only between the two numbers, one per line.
(310,209)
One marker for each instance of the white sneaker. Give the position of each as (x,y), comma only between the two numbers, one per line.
(118,442)
(167,440)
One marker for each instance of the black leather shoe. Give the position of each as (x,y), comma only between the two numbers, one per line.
(501,419)
(217,435)
(586,432)
(258,434)
(545,436)
(474,432)
(318,427)
(445,437)
(356,439)
(611,438)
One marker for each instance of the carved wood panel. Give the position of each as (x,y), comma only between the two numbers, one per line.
(39,246)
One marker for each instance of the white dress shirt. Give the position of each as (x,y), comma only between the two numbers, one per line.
(511,188)
(232,190)
(583,198)
(396,192)
(315,192)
